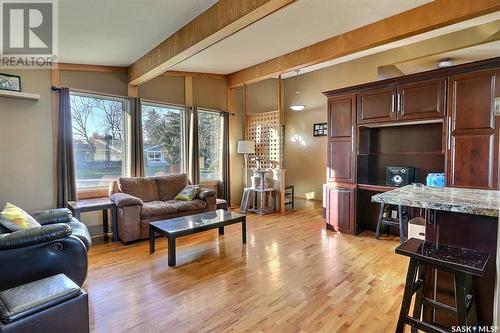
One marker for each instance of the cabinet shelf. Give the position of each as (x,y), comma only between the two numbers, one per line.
(19,95)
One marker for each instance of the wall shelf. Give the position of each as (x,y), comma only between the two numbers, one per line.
(19,95)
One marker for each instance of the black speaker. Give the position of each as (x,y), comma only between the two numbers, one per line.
(399,176)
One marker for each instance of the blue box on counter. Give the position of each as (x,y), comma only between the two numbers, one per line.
(435,180)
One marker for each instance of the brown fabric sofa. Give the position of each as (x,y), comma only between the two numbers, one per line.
(141,200)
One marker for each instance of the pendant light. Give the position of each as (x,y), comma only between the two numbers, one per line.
(296,106)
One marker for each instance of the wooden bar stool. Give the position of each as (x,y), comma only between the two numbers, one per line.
(388,220)
(462,263)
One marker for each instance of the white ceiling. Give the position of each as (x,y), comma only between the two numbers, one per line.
(118,32)
(402,42)
(302,23)
(457,57)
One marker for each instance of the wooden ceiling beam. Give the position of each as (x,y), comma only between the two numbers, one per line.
(196,74)
(91,68)
(216,23)
(431,16)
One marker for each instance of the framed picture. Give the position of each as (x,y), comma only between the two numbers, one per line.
(10,82)
(320,129)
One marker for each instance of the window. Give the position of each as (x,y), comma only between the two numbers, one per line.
(162,128)
(210,144)
(98,139)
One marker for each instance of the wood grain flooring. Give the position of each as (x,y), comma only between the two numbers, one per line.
(291,276)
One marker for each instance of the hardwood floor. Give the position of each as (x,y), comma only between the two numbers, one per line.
(292,276)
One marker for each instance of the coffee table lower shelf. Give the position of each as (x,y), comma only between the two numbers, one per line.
(191,224)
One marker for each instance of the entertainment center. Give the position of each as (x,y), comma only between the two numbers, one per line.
(438,121)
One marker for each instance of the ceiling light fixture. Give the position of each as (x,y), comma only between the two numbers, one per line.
(445,62)
(296,106)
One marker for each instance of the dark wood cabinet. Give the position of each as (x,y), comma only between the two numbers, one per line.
(341,209)
(450,126)
(421,99)
(341,114)
(341,140)
(472,137)
(377,105)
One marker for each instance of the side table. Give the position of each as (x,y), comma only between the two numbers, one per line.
(95,204)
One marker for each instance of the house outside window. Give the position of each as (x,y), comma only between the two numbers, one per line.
(99,139)
(164,139)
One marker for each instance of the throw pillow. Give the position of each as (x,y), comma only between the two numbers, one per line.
(188,193)
(14,218)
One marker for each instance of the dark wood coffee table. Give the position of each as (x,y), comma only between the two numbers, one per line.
(191,224)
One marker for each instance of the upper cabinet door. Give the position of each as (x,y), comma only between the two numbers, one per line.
(473,138)
(421,100)
(377,105)
(341,116)
(341,139)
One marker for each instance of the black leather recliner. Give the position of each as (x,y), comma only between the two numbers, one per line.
(60,245)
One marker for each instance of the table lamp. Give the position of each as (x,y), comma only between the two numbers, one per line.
(246,147)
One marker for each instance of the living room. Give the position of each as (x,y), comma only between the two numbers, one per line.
(326,141)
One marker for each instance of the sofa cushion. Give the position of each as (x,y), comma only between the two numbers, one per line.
(188,193)
(170,186)
(14,218)
(157,208)
(184,206)
(144,188)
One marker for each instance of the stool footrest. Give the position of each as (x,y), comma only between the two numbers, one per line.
(439,306)
(423,326)
(394,223)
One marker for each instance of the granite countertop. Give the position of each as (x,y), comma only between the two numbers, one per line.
(460,200)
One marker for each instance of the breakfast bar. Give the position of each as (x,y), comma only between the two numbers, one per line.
(460,217)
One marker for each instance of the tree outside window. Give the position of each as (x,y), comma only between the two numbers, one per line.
(163,139)
(210,145)
(98,139)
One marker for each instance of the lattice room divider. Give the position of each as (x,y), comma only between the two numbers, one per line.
(265,130)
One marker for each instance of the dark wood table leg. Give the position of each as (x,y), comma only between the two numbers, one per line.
(244,230)
(151,240)
(76,214)
(171,251)
(114,223)
(221,230)
(105,226)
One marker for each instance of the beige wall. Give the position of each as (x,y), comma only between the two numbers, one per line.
(26,163)
(97,82)
(210,93)
(165,89)
(263,96)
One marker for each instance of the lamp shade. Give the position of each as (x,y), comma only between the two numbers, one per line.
(246,147)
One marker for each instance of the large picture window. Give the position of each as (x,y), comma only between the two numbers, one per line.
(163,134)
(210,134)
(99,143)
